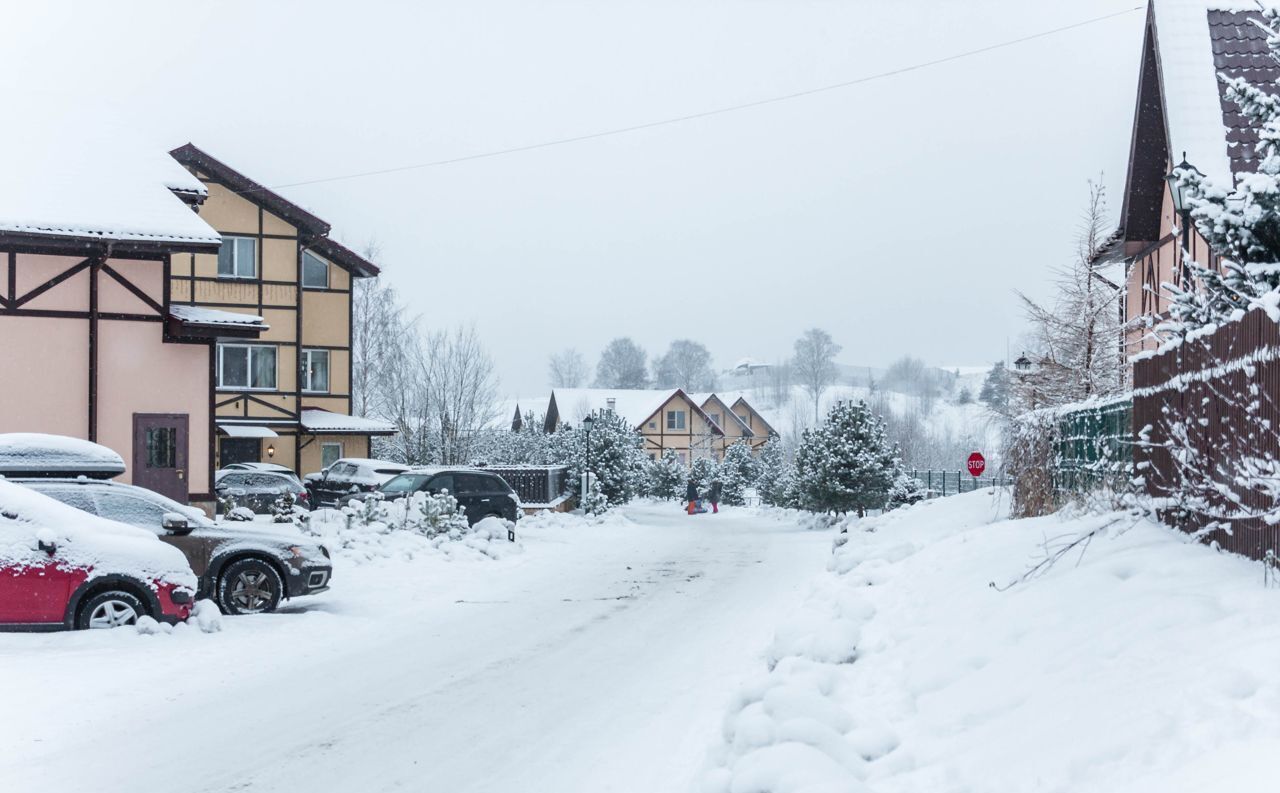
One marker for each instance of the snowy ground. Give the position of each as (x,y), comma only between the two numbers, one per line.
(1146,665)
(598,659)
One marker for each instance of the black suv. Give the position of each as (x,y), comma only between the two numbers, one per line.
(246,567)
(480,493)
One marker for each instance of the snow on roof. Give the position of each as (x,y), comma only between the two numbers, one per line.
(634,405)
(199,315)
(1193,109)
(83,540)
(39,454)
(701,401)
(317,420)
(76,185)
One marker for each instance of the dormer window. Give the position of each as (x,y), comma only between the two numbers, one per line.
(315,271)
(238,257)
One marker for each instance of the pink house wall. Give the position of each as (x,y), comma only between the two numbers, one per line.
(44,375)
(139,373)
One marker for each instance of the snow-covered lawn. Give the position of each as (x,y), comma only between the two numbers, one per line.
(597,658)
(1149,664)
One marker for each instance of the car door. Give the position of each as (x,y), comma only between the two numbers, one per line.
(232,486)
(133,509)
(33,588)
(471,495)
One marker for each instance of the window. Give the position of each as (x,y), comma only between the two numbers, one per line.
(404,483)
(315,271)
(442,482)
(468,484)
(745,420)
(125,508)
(238,258)
(675,419)
(247,366)
(161,447)
(684,457)
(653,425)
(315,371)
(330,453)
(715,418)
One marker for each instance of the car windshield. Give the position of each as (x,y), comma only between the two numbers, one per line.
(405,483)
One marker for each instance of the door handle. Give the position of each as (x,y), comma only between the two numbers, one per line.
(181,474)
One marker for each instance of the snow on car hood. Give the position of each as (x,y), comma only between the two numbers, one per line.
(84,541)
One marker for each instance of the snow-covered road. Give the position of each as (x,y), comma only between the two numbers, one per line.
(599,660)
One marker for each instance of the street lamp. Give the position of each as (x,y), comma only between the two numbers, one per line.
(1178,193)
(587,421)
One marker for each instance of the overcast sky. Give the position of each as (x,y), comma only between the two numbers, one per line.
(899,214)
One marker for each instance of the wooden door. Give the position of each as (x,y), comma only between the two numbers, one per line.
(160,453)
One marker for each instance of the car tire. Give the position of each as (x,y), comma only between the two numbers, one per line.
(249,586)
(111,608)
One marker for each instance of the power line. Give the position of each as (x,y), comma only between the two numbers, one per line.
(717,111)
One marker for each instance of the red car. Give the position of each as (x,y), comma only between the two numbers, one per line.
(62,568)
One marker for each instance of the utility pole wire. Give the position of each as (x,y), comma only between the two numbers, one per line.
(715,112)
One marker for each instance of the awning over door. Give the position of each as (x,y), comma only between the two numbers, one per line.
(246,431)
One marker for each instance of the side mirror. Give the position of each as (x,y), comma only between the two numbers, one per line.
(175,523)
(48,547)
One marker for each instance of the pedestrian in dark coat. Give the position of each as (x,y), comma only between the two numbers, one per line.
(716,487)
(691,496)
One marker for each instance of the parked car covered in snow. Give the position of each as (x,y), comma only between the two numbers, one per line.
(480,493)
(246,567)
(61,568)
(259,489)
(349,476)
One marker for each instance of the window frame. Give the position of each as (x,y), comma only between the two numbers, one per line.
(676,420)
(327,266)
(235,274)
(222,385)
(307,353)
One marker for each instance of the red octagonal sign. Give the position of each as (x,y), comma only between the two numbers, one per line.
(977,463)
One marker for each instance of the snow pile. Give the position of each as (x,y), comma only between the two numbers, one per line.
(360,537)
(204,615)
(1139,666)
(82,541)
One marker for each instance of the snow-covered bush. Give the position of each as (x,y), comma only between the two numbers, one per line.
(846,464)
(596,502)
(285,509)
(434,513)
(239,515)
(739,470)
(906,490)
(665,477)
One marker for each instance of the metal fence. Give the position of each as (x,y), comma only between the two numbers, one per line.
(951,483)
(1094,447)
(1212,401)
(537,485)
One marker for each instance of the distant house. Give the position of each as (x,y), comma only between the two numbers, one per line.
(284,395)
(691,425)
(94,346)
(1182,112)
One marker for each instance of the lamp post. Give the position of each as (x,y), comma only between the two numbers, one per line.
(1178,193)
(587,421)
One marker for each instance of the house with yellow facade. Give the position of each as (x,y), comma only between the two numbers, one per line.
(283,395)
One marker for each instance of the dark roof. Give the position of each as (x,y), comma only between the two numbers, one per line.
(1240,50)
(343,256)
(193,157)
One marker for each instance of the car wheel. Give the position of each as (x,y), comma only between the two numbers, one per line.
(249,586)
(113,608)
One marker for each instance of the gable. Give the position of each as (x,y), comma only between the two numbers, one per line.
(1148,152)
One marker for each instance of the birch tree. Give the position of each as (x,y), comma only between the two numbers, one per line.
(814,365)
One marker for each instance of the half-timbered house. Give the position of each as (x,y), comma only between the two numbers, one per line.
(284,396)
(92,344)
(1182,114)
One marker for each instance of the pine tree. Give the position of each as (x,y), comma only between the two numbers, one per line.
(665,477)
(738,471)
(847,464)
(617,458)
(702,471)
(995,388)
(772,477)
(1241,224)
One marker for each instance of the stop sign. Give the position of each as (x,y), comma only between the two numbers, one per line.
(977,463)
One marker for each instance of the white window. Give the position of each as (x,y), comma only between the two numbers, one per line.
(330,453)
(238,258)
(315,271)
(315,371)
(745,420)
(247,366)
(675,419)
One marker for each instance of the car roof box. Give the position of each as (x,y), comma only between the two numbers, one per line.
(35,454)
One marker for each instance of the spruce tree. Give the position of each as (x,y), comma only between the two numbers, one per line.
(665,477)
(738,471)
(616,456)
(702,471)
(847,464)
(771,480)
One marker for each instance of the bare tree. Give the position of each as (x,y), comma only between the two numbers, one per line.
(687,365)
(567,369)
(778,387)
(463,388)
(1075,336)
(623,364)
(377,324)
(814,365)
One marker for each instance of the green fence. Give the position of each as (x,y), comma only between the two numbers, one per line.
(1094,448)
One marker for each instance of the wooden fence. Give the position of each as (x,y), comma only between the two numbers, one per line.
(1203,413)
